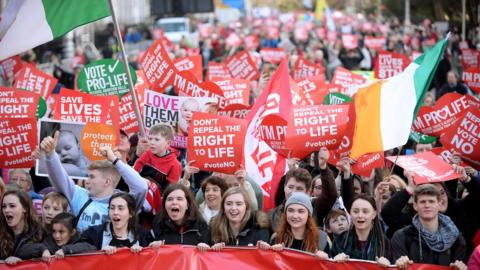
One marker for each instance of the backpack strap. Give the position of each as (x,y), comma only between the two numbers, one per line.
(87,203)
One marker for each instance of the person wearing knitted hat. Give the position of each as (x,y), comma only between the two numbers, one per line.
(298,229)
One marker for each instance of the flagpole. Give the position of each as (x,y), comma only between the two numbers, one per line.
(127,70)
(395,162)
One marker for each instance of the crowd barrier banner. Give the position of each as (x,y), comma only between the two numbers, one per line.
(187,257)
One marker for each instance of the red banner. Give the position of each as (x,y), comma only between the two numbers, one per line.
(464,136)
(15,103)
(389,64)
(31,79)
(273,55)
(157,66)
(304,69)
(10,67)
(128,118)
(426,167)
(311,91)
(193,64)
(235,110)
(81,107)
(470,58)
(215,143)
(348,81)
(242,66)
(217,70)
(375,43)
(314,127)
(471,77)
(435,120)
(187,257)
(365,164)
(18,138)
(235,91)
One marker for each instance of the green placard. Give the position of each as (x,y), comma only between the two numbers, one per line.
(105,77)
(336,98)
(421,138)
(41,108)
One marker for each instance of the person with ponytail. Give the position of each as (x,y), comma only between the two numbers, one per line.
(365,240)
(20,231)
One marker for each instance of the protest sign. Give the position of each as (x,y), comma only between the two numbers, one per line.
(471,77)
(426,167)
(217,71)
(205,30)
(273,55)
(157,66)
(140,86)
(235,91)
(68,147)
(300,34)
(10,67)
(192,63)
(81,107)
(17,141)
(447,154)
(336,98)
(435,120)
(350,41)
(348,81)
(305,69)
(187,85)
(365,164)
(273,130)
(128,118)
(251,42)
(105,77)
(311,91)
(31,79)
(421,138)
(235,110)
(389,64)
(470,58)
(15,103)
(215,143)
(96,135)
(174,111)
(375,43)
(314,127)
(242,66)
(233,40)
(464,135)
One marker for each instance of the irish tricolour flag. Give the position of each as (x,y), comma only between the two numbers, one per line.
(26,24)
(385,109)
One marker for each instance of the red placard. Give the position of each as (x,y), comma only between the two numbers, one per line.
(193,64)
(471,76)
(389,64)
(215,143)
(242,66)
(157,66)
(426,167)
(187,85)
(273,55)
(251,42)
(375,43)
(300,34)
(77,106)
(304,69)
(313,127)
(435,120)
(470,58)
(217,70)
(128,118)
(10,67)
(18,138)
(235,91)
(350,41)
(205,30)
(464,135)
(15,103)
(31,79)
(348,81)
(235,111)
(311,91)
(365,164)
(233,40)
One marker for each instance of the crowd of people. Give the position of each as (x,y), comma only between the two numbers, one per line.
(142,196)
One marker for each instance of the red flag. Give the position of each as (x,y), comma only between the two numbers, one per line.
(262,163)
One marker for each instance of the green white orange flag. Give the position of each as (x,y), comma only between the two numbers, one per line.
(385,109)
(26,24)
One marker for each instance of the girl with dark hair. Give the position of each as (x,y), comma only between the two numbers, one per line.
(64,238)
(20,230)
(179,221)
(366,239)
(298,229)
(122,229)
(237,224)
(213,189)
